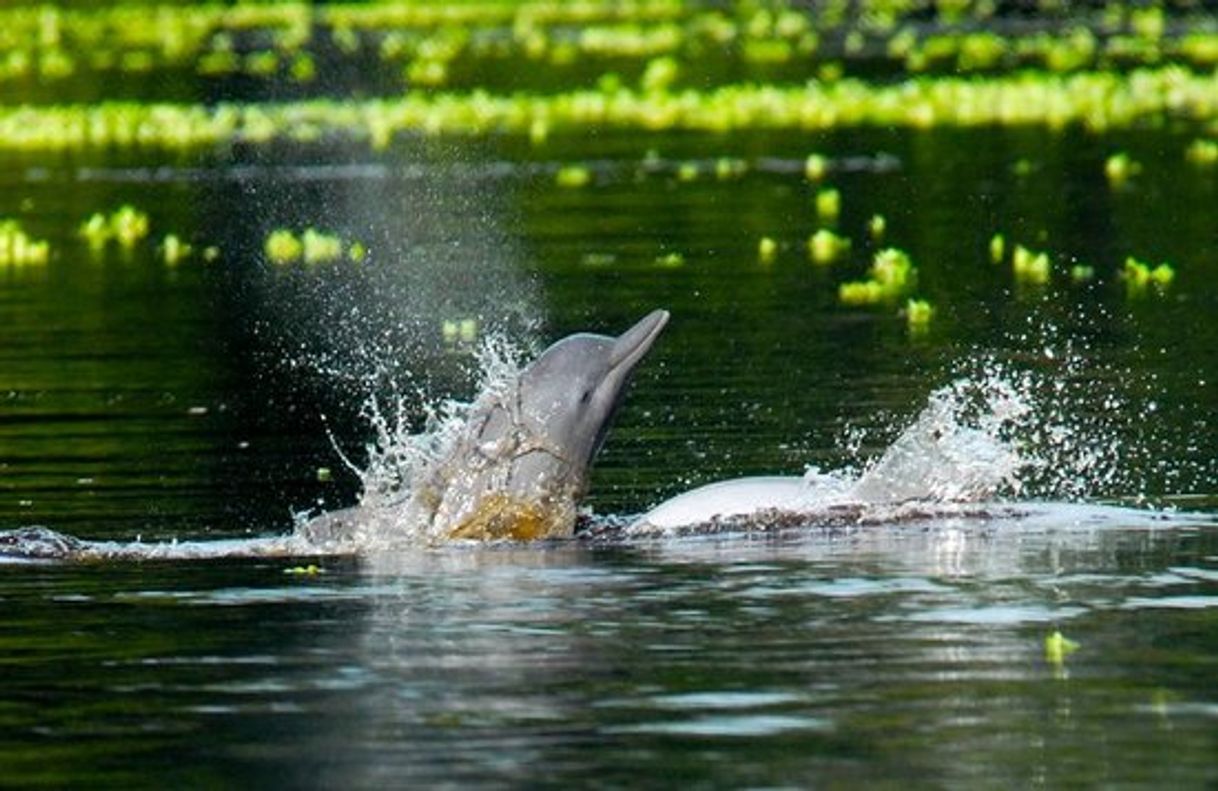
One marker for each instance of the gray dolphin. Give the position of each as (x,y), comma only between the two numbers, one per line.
(521,463)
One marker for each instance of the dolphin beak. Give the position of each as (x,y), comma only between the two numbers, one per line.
(635,342)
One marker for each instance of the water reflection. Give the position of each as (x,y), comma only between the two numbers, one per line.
(869,655)
(908,654)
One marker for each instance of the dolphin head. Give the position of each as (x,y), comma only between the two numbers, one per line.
(569,395)
(527,466)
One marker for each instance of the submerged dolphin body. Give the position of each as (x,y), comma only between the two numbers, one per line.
(935,463)
(521,462)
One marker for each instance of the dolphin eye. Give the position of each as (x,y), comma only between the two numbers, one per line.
(586,397)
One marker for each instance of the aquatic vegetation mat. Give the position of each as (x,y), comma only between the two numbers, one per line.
(1093,100)
(192,77)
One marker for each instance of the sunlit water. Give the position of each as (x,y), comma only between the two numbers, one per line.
(145,405)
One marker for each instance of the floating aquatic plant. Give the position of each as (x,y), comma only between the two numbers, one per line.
(876,226)
(310,570)
(1139,275)
(320,247)
(303,68)
(1029,267)
(661,39)
(729,168)
(1058,647)
(825,246)
(96,230)
(174,250)
(767,248)
(462,332)
(1119,168)
(1081,273)
(918,313)
(998,246)
(659,75)
(828,204)
(1202,153)
(283,247)
(18,248)
(128,225)
(672,260)
(573,176)
(892,276)
(1095,100)
(815,167)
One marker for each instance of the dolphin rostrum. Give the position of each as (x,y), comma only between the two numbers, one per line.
(520,464)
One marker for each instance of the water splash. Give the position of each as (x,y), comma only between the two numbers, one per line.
(1006,435)
(964,446)
(402,453)
(405,450)
(1050,424)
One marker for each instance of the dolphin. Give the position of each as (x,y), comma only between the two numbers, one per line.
(935,462)
(520,464)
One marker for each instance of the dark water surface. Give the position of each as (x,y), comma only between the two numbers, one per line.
(186,403)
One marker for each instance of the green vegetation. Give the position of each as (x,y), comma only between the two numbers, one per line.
(918,313)
(18,248)
(1203,153)
(573,176)
(828,204)
(892,276)
(1058,647)
(767,248)
(1140,276)
(825,246)
(1081,273)
(459,332)
(998,247)
(312,246)
(815,167)
(174,250)
(537,69)
(548,73)
(876,227)
(126,226)
(1119,168)
(1029,267)
(660,42)
(1096,101)
(310,570)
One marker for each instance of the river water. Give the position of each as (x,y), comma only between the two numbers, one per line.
(204,400)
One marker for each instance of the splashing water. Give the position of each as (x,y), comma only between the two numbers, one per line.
(1000,440)
(962,447)
(403,454)
(1064,428)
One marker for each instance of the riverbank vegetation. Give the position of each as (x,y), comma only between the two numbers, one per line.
(207,83)
(662,43)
